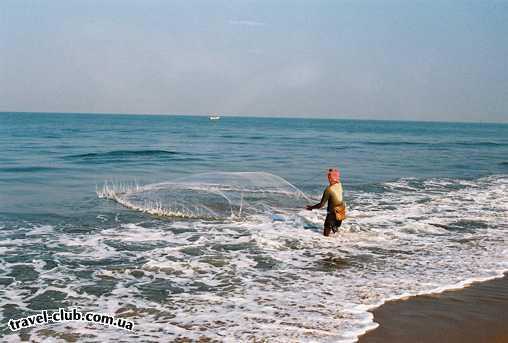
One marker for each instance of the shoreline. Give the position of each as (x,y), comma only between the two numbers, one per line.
(473,312)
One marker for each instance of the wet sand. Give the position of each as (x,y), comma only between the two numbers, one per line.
(478,313)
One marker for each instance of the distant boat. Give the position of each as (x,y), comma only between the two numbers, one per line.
(214,116)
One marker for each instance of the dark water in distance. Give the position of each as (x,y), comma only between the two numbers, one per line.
(428,209)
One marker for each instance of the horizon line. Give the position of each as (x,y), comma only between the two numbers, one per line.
(319,117)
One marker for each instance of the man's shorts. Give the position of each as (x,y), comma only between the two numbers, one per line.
(332,223)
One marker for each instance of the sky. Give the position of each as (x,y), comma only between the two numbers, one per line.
(364,59)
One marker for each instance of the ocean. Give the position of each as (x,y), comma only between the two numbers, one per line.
(196,229)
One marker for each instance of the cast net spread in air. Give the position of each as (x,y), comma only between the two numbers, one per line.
(217,195)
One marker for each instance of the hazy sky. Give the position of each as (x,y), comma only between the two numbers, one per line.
(430,60)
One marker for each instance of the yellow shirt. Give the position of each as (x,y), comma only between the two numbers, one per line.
(332,195)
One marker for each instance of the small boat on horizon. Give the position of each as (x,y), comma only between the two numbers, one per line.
(214,116)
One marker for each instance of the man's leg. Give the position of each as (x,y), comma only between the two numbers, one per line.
(336,227)
(326,231)
(327,226)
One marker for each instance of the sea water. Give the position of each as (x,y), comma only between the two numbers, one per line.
(427,202)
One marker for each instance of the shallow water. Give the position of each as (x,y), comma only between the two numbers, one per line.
(428,210)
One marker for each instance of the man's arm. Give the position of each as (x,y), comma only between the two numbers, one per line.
(322,203)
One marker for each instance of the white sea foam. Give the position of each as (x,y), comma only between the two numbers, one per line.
(278,280)
(40,230)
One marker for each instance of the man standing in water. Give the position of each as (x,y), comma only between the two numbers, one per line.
(332,195)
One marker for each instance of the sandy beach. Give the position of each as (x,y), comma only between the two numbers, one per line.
(477,313)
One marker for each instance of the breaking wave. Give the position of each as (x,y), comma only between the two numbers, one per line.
(130,155)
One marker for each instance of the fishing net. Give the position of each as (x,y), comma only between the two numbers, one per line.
(217,195)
